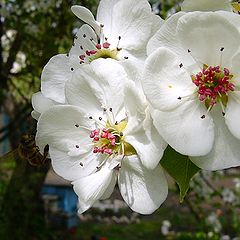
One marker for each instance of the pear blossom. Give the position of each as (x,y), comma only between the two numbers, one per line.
(103,135)
(193,87)
(40,104)
(122,29)
(121,32)
(206,5)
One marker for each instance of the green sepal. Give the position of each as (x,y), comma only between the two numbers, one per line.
(180,168)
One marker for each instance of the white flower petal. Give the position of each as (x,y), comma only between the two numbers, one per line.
(206,5)
(40,103)
(194,28)
(58,70)
(107,194)
(164,81)
(135,107)
(232,18)
(140,132)
(63,127)
(142,189)
(91,188)
(86,16)
(83,91)
(97,85)
(134,68)
(157,23)
(226,149)
(105,12)
(185,129)
(235,70)
(132,20)
(73,167)
(232,116)
(85,39)
(35,115)
(166,36)
(183,32)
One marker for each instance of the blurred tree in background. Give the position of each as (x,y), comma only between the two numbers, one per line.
(31,32)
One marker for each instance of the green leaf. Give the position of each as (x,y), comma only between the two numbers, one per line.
(180,168)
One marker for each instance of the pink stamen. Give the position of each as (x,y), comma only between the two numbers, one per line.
(104,135)
(96,139)
(106,45)
(108,151)
(105,140)
(82,57)
(213,83)
(98,46)
(88,53)
(93,52)
(95,150)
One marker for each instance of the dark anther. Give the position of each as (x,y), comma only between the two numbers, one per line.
(104,109)
(77,146)
(119,49)
(75,37)
(203,116)
(90,117)
(189,50)
(121,134)
(72,69)
(179,98)
(101,25)
(81,164)
(106,38)
(110,109)
(222,49)
(116,123)
(125,57)
(119,37)
(67,54)
(91,39)
(76,125)
(81,47)
(84,35)
(100,118)
(223,113)
(180,65)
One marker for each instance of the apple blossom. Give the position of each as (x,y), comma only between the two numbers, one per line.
(105,134)
(193,87)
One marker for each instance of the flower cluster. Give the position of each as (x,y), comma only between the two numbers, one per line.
(133,83)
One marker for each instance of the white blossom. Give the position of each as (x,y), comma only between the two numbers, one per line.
(193,83)
(121,32)
(103,136)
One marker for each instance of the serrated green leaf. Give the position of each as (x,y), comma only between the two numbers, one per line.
(180,168)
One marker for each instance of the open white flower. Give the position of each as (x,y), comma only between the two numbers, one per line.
(121,32)
(194,85)
(122,29)
(206,5)
(104,134)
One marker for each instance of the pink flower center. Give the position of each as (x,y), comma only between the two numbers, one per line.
(105,141)
(213,85)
